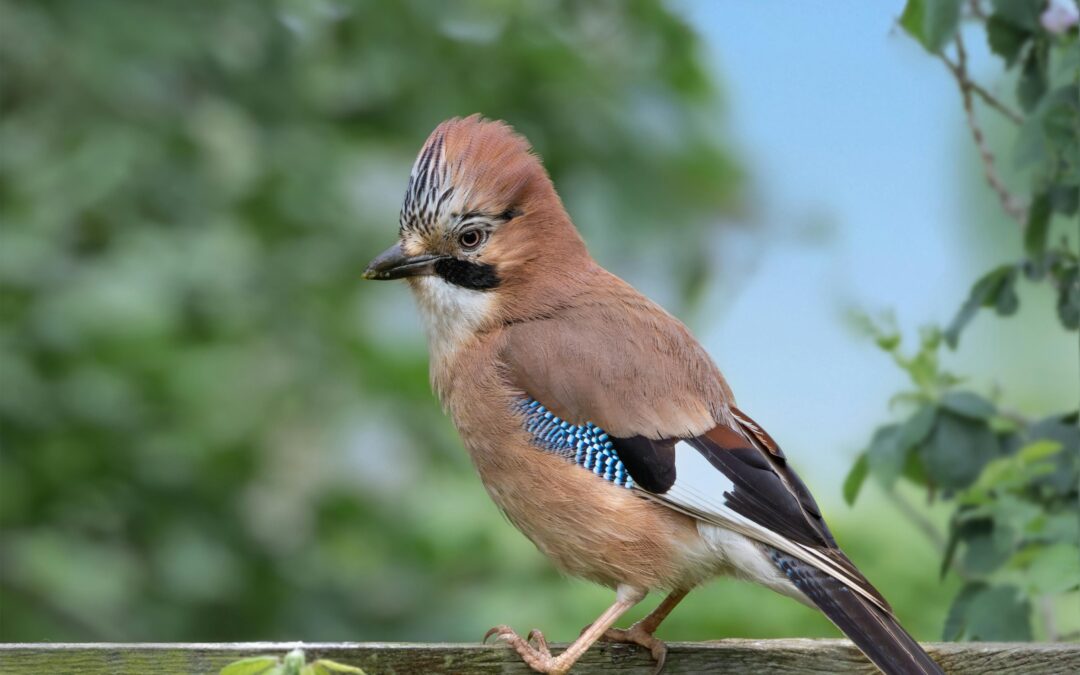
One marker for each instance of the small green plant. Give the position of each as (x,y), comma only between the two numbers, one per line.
(292,664)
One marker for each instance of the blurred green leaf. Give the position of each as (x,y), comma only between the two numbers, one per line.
(1039,450)
(1049,138)
(990,613)
(1006,39)
(885,456)
(994,289)
(1055,569)
(1033,78)
(1037,227)
(1068,301)
(855,478)
(968,404)
(293,663)
(984,552)
(957,620)
(256,665)
(1020,13)
(328,667)
(999,613)
(957,450)
(931,22)
(915,430)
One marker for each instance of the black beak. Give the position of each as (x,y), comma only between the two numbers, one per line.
(394,264)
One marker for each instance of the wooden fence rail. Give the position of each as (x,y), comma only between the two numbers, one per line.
(722,656)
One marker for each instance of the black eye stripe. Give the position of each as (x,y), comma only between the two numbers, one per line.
(471,275)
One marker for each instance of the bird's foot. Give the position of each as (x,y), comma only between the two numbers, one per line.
(532,649)
(638,635)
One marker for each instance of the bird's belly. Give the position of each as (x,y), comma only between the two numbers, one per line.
(592,528)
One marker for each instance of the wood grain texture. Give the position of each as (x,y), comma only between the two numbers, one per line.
(727,656)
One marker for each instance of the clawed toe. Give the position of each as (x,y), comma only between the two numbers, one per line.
(636,635)
(533,649)
(498,630)
(536,638)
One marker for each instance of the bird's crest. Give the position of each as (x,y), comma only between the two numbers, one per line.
(467,165)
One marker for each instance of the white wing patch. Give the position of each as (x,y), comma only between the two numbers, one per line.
(699,491)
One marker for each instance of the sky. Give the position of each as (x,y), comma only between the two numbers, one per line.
(861,175)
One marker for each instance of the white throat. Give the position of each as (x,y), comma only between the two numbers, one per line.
(451,313)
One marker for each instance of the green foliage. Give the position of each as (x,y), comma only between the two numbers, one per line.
(206,434)
(294,663)
(1012,482)
(1047,146)
(932,22)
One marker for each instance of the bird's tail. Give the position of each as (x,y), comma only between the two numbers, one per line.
(871,628)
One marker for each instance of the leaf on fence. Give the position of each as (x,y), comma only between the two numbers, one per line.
(256,665)
(328,667)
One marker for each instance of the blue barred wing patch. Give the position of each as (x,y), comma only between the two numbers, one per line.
(586,445)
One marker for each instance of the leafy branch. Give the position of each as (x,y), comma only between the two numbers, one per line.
(1012,482)
(1009,203)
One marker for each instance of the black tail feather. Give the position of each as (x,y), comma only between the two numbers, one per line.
(873,630)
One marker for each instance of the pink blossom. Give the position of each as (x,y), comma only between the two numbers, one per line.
(1059,16)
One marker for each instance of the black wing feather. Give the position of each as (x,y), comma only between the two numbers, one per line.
(872,629)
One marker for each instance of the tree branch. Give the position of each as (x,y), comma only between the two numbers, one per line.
(995,103)
(968,89)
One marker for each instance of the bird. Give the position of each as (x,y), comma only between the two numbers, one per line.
(597,423)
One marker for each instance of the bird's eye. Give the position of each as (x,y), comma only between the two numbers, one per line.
(470,240)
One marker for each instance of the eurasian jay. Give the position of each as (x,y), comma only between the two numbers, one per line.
(596,421)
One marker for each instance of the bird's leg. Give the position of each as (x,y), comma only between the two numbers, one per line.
(641,633)
(540,659)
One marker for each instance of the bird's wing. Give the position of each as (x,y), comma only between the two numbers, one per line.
(637,374)
(737,477)
(621,363)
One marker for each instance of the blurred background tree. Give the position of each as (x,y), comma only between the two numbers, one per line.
(211,428)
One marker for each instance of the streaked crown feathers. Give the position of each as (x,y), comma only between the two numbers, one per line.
(468,169)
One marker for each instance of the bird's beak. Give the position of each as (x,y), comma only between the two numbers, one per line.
(393,263)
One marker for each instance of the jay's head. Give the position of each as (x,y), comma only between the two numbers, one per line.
(481,227)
